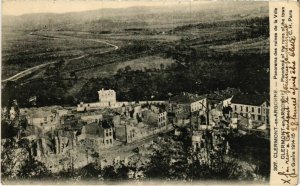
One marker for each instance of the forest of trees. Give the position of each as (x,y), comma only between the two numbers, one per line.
(249,73)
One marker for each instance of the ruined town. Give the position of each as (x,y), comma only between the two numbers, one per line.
(109,92)
(111,133)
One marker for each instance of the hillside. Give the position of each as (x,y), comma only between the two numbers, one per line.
(140,52)
(137,17)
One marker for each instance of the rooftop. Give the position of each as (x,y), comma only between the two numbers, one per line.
(186,97)
(39,113)
(103,90)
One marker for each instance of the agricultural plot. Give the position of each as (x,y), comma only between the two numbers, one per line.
(24,50)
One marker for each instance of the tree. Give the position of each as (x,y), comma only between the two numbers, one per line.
(60,63)
(90,171)
(9,94)
(73,75)
(223,167)
(127,69)
(109,173)
(122,172)
(23,123)
(10,158)
(8,131)
(33,169)
(18,162)
(174,159)
(158,167)
(95,155)
(139,119)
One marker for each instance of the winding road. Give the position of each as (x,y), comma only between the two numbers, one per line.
(32,69)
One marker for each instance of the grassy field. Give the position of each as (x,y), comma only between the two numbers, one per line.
(149,62)
(226,37)
(257,45)
(22,50)
(121,38)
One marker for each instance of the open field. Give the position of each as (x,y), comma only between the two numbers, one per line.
(257,45)
(123,37)
(22,50)
(201,51)
(232,36)
(149,62)
(63,36)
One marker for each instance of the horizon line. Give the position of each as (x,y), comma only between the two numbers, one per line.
(18,8)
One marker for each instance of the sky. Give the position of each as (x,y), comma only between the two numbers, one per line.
(19,7)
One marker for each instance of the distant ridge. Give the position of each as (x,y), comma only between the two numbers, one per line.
(91,20)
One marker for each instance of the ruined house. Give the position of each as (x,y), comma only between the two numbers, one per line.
(99,134)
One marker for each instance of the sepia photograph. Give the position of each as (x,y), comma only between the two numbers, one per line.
(135,92)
